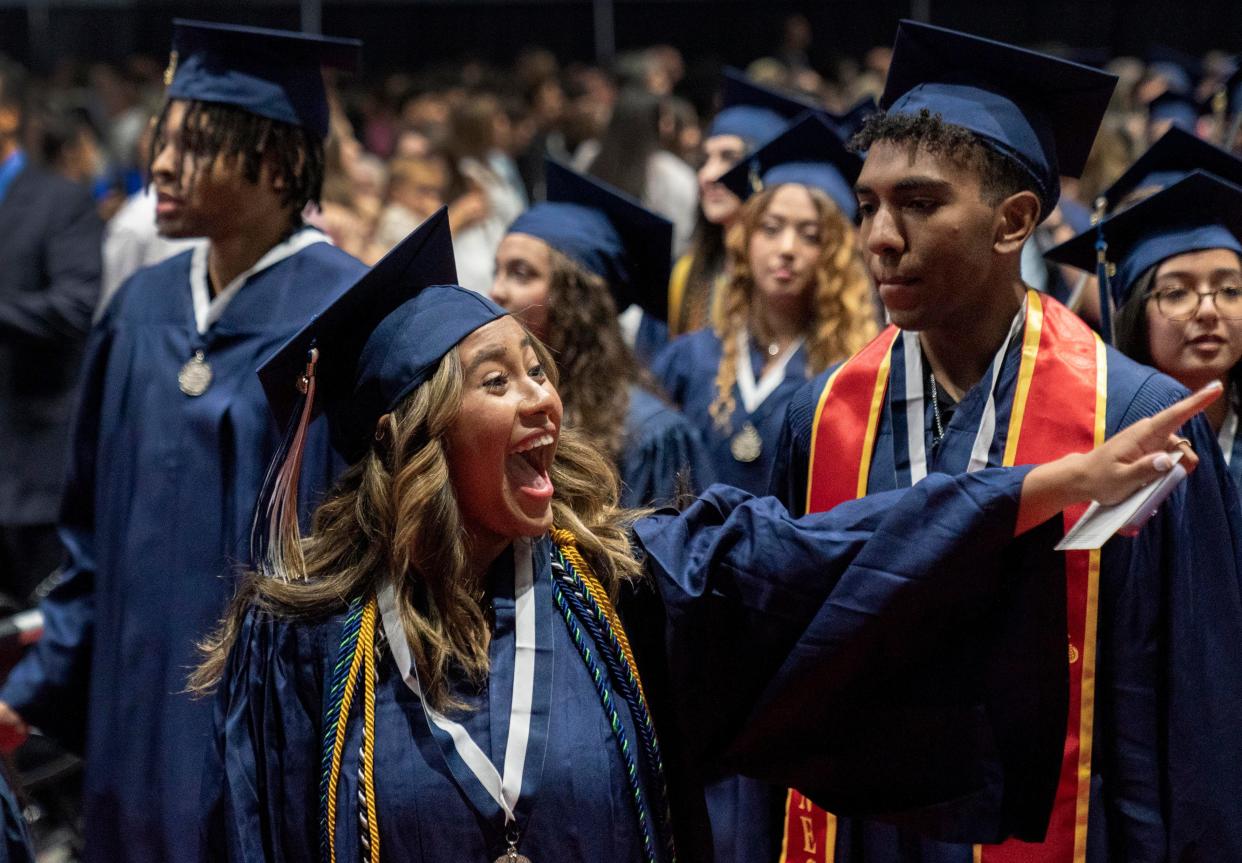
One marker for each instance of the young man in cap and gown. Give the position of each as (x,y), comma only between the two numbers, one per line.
(978,370)
(173,436)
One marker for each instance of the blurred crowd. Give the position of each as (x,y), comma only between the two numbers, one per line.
(475,137)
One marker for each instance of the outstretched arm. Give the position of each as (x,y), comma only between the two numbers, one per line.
(1113,471)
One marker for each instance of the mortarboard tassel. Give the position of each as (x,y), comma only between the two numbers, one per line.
(1102,272)
(276,539)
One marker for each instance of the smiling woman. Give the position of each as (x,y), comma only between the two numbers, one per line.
(796,301)
(468,660)
(1178,289)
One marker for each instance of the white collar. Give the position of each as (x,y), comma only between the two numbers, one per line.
(755,393)
(208,309)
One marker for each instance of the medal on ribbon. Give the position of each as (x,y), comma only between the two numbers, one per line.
(195,376)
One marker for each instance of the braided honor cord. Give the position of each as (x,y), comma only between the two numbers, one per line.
(355,659)
(583,601)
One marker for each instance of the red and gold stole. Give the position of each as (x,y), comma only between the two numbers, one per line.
(1058,408)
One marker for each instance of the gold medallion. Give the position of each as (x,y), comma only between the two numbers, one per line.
(511,856)
(195,375)
(746,445)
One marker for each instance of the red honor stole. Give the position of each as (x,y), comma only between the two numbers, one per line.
(1058,408)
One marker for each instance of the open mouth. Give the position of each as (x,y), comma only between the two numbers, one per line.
(528,464)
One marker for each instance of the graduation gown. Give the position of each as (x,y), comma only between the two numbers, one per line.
(1231,442)
(659,451)
(156,519)
(15,845)
(687,371)
(751,613)
(1165,783)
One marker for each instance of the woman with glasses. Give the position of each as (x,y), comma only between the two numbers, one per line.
(1178,289)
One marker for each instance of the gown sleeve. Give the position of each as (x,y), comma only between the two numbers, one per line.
(49,686)
(261,779)
(666,461)
(851,653)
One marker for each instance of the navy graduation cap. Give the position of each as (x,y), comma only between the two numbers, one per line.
(1180,109)
(808,152)
(608,233)
(1198,212)
(850,122)
(753,112)
(272,73)
(1179,70)
(1040,111)
(380,339)
(1172,158)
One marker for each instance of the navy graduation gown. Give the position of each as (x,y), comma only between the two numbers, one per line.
(750,606)
(661,451)
(1165,783)
(155,520)
(687,371)
(649,339)
(15,845)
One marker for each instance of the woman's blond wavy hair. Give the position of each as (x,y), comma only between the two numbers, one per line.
(843,317)
(394,516)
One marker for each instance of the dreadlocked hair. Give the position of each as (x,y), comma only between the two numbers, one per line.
(842,316)
(211,131)
(393,517)
(999,175)
(595,363)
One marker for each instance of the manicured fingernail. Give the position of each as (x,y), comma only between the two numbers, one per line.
(1162,462)
(1212,387)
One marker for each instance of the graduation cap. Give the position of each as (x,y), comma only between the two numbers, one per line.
(273,73)
(1040,111)
(606,232)
(1172,158)
(1198,212)
(851,122)
(1181,109)
(355,361)
(1179,70)
(753,112)
(808,152)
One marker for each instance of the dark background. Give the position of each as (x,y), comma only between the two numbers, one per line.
(406,35)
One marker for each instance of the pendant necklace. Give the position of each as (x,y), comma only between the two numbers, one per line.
(195,376)
(935,400)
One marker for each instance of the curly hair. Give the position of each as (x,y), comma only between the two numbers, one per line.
(394,515)
(842,317)
(999,175)
(595,362)
(212,130)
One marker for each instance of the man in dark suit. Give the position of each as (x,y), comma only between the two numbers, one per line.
(50,273)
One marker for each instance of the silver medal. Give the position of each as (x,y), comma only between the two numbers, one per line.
(195,375)
(746,445)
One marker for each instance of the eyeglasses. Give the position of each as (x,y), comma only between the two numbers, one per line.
(1181,304)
